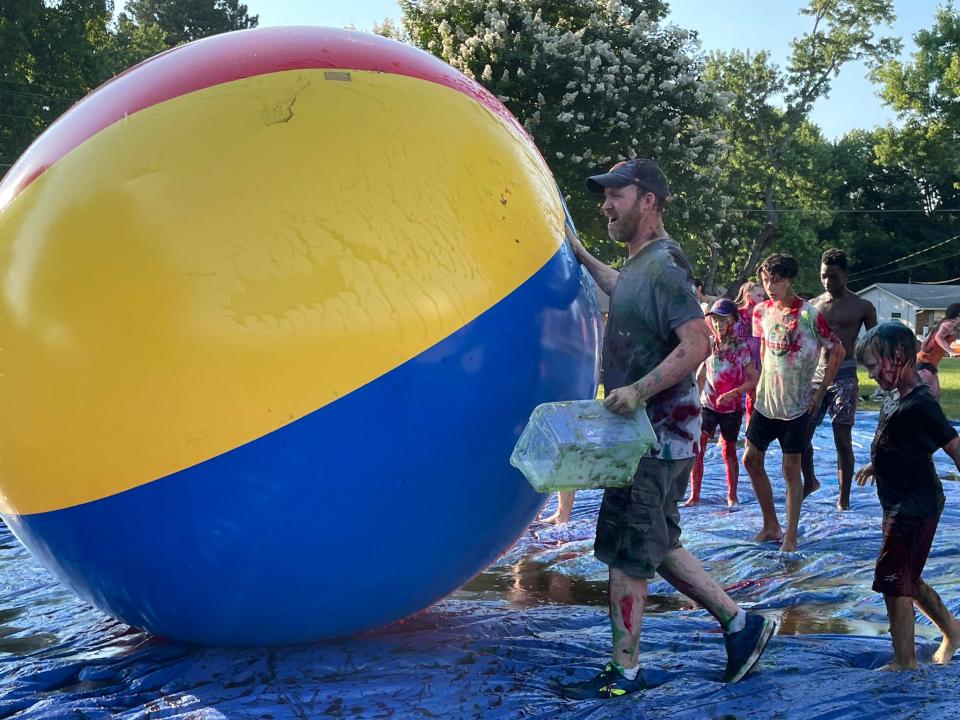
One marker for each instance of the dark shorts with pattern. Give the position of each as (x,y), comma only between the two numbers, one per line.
(793,435)
(906,545)
(840,400)
(638,524)
(729,423)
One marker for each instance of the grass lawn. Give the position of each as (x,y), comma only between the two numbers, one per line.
(949,371)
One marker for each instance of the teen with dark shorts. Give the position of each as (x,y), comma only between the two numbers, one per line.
(655,338)
(724,378)
(846,313)
(791,333)
(911,428)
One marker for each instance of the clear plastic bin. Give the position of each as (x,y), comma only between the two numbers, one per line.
(580,444)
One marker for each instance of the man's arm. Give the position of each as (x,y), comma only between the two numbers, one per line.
(693,349)
(604,275)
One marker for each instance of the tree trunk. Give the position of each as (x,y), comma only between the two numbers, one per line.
(763,239)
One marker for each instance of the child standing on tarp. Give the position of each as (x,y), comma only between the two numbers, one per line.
(723,377)
(911,428)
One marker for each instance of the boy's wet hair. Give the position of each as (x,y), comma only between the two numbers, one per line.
(888,340)
(952,312)
(781,265)
(835,257)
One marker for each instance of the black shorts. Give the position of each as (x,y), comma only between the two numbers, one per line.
(729,424)
(925,366)
(639,524)
(793,435)
(906,545)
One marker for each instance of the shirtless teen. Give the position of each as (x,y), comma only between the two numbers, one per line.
(845,313)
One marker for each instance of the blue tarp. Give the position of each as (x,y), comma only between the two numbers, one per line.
(498,647)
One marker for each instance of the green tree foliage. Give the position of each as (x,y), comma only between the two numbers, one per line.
(769,165)
(52,54)
(778,160)
(926,94)
(883,215)
(186,20)
(593,82)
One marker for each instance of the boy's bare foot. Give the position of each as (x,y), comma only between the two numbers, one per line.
(810,487)
(895,666)
(775,535)
(842,505)
(557,518)
(732,502)
(691,502)
(946,650)
(789,546)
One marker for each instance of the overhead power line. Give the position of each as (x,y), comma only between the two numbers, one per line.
(938,282)
(838,211)
(908,267)
(853,276)
(38,85)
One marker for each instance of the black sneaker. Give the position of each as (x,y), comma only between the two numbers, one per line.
(744,648)
(608,683)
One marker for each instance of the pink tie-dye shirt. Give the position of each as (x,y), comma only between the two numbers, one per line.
(724,371)
(791,338)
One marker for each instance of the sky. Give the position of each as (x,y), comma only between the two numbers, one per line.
(733,24)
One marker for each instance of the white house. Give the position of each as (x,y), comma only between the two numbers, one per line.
(917,306)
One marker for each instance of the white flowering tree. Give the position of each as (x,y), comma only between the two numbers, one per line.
(593,82)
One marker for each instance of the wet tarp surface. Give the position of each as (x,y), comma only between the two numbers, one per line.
(498,647)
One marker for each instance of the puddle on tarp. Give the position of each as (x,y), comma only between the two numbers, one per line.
(499,646)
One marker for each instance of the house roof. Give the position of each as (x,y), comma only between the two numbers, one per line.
(924,297)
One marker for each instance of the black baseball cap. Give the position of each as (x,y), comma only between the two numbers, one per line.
(645,174)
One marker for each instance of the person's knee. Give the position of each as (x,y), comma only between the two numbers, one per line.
(753,459)
(843,436)
(728,448)
(791,465)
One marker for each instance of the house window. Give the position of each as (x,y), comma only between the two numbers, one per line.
(896,316)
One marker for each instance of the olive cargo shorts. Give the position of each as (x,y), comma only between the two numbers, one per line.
(638,524)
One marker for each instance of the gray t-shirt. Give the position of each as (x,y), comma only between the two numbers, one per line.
(654,295)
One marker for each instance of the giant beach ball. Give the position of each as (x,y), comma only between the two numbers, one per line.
(275,307)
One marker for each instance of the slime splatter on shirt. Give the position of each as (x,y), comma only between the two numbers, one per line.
(725,372)
(653,297)
(791,338)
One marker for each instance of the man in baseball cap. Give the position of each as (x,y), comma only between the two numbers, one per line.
(645,174)
(654,341)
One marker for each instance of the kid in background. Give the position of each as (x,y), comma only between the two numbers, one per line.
(723,377)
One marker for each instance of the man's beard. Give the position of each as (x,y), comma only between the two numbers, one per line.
(626,227)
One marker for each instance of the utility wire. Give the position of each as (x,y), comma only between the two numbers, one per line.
(848,212)
(38,85)
(22,93)
(853,276)
(938,282)
(909,267)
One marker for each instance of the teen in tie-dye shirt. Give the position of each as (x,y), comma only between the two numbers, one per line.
(791,337)
(791,332)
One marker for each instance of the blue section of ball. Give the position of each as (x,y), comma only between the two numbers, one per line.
(357,515)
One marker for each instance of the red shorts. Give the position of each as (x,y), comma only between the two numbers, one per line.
(906,545)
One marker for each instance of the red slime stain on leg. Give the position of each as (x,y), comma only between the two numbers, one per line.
(626,610)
